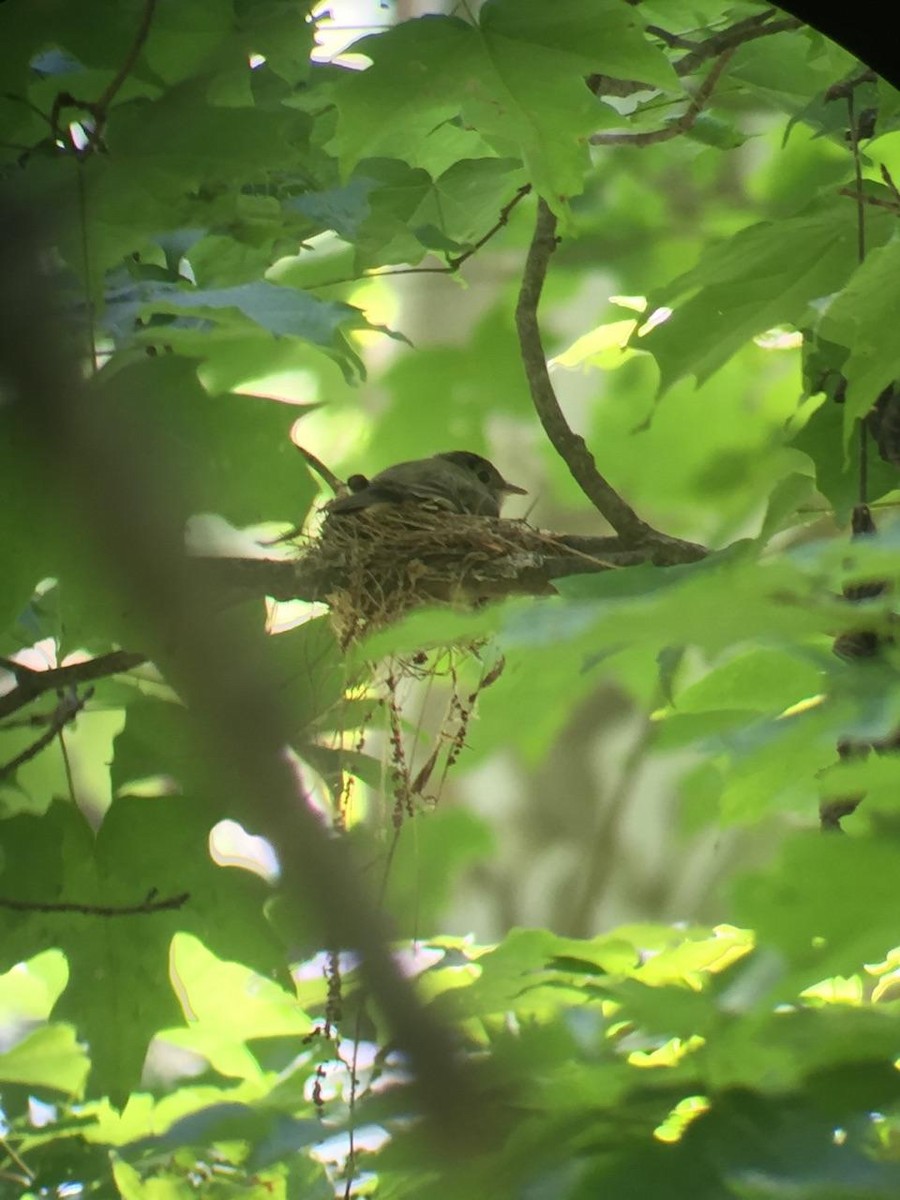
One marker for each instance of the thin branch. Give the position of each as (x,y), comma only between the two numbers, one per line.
(324,473)
(148,905)
(130,59)
(845,89)
(875,201)
(683,124)
(65,712)
(453,263)
(889,181)
(739,34)
(16,1158)
(674,41)
(30,683)
(99,109)
(569,445)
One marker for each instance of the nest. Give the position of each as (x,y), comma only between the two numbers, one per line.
(381,563)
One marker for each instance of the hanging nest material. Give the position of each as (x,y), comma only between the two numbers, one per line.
(384,562)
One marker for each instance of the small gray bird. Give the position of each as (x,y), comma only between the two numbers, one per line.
(457,481)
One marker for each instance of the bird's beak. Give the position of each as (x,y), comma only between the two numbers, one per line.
(514,489)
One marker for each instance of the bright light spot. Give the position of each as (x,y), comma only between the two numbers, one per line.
(283,615)
(78,135)
(40,1114)
(657,317)
(209,533)
(413,960)
(669,1055)
(256,60)
(591,346)
(684,1112)
(151,785)
(340,23)
(381,306)
(801,706)
(230,845)
(634,303)
(779,339)
(836,991)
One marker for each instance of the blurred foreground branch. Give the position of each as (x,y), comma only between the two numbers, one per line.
(118,482)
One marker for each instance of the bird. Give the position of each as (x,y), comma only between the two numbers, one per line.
(456,481)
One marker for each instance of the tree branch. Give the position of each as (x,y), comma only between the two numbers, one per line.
(148,905)
(65,712)
(571,447)
(529,571)
(99,109)
(675,128)
(453,263)
(735,35)
(30,683)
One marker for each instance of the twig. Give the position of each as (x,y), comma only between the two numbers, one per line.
(148,905)
(571,446)
(875,201)
(845,89)
(30,684)
(673,40)
(65,712)
(99,109)
(699,52)
(735,35)
(889,181)
(18,1161)
(321,470)
(131,57)
(683,124)
(453,263)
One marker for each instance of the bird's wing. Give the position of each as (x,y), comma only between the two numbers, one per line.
(390,492)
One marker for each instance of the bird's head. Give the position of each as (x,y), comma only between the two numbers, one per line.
(484,471)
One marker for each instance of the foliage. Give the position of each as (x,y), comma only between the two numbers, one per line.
(229,213)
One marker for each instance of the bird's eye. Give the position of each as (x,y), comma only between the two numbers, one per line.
(484,476)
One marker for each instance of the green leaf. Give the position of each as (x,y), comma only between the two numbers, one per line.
(183,37)
(49,1057)
(280,31)
(282,311)
(863,318)
(836,467)
(307,673)
(518,78)
(407,212)
(235,451)
(690,605)
(821,928)
(766,275)
(118,994)
(432,850)
(439,397)
(761,678)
